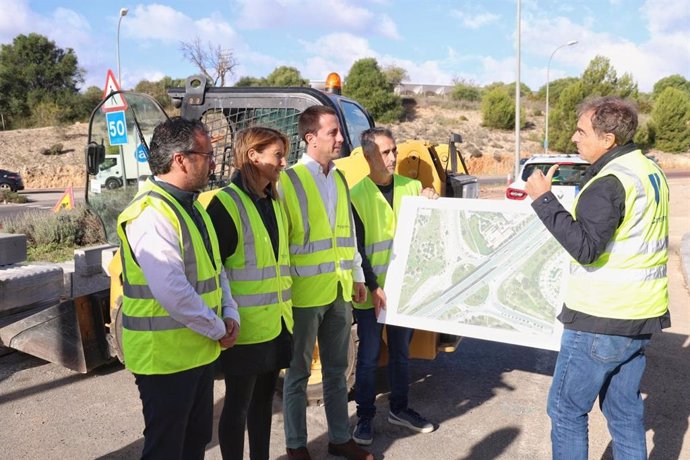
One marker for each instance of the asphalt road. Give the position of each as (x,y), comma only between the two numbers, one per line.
(487,399)
(38,201)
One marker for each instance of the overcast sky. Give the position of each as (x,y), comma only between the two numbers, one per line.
(435,41)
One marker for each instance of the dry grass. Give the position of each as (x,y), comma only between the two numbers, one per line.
(76,227)
(487,151)
(20,151)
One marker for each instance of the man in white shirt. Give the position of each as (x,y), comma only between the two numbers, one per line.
(174,289)
(327,275)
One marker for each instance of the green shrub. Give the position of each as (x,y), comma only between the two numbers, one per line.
(367,84)
(498,109)
(673,81)
(671,120)
(644,137)
(466,92)
(48,232)
(286,76)
(7,196)
(52,252)
(55,149)
(46,114)
(645,103)
(108,207)
(598,79)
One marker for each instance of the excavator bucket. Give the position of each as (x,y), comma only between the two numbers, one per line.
(70,333)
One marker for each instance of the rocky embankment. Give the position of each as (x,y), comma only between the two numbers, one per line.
(487,151)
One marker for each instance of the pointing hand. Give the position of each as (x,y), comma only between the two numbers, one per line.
(538,184)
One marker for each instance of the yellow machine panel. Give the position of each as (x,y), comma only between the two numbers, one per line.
(354,167)
(417,159)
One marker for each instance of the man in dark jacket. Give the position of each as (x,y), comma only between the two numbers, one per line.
(617,290)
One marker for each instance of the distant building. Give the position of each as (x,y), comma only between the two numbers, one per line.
(423,90)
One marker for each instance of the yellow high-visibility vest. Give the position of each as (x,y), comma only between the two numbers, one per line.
(321,258)
(629,280)
(152,341)
(259,283)
(380,222)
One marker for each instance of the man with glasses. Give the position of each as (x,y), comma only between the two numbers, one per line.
(177,310)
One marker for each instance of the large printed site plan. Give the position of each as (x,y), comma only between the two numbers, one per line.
(479,268)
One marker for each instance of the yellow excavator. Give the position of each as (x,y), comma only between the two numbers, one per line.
(91,325)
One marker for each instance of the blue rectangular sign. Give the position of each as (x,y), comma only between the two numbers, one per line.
(117,128)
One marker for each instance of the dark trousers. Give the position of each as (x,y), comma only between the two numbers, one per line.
(248,403)
(370,340)
(178,413)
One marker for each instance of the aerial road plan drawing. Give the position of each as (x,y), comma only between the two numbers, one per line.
(477,268)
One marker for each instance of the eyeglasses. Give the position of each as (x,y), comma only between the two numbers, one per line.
(207,155)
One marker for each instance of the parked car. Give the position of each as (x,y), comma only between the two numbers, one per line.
(11,181)
(566,182)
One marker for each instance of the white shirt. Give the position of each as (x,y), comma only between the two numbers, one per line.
(156,246)
(329,192)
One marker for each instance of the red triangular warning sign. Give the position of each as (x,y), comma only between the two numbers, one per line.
(66,202)
(117,102)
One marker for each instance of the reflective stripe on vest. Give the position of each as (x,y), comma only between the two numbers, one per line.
(320,269)
(256,274)
(380,247)
(142,291)
(250,272)
(259,300)
(321,256)
(157,323)
(380,222)
(611,275)
(154,342)
(259,283)
(629,280)
(308,247)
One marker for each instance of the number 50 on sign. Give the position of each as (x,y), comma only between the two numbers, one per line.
(117,127)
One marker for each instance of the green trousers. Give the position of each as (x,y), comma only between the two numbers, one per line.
(331,324)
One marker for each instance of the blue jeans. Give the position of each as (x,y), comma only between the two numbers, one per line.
(607,366)
(398,341)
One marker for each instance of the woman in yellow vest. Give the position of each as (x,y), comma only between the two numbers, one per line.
(252,233)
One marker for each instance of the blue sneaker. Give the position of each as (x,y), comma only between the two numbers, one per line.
(364,432)
(412,420)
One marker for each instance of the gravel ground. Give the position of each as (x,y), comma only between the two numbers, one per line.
(487,399)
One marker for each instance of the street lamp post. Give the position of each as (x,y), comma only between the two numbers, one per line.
(546,121)
(123,13)
(516,167)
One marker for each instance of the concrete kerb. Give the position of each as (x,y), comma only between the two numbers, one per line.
(685,258)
